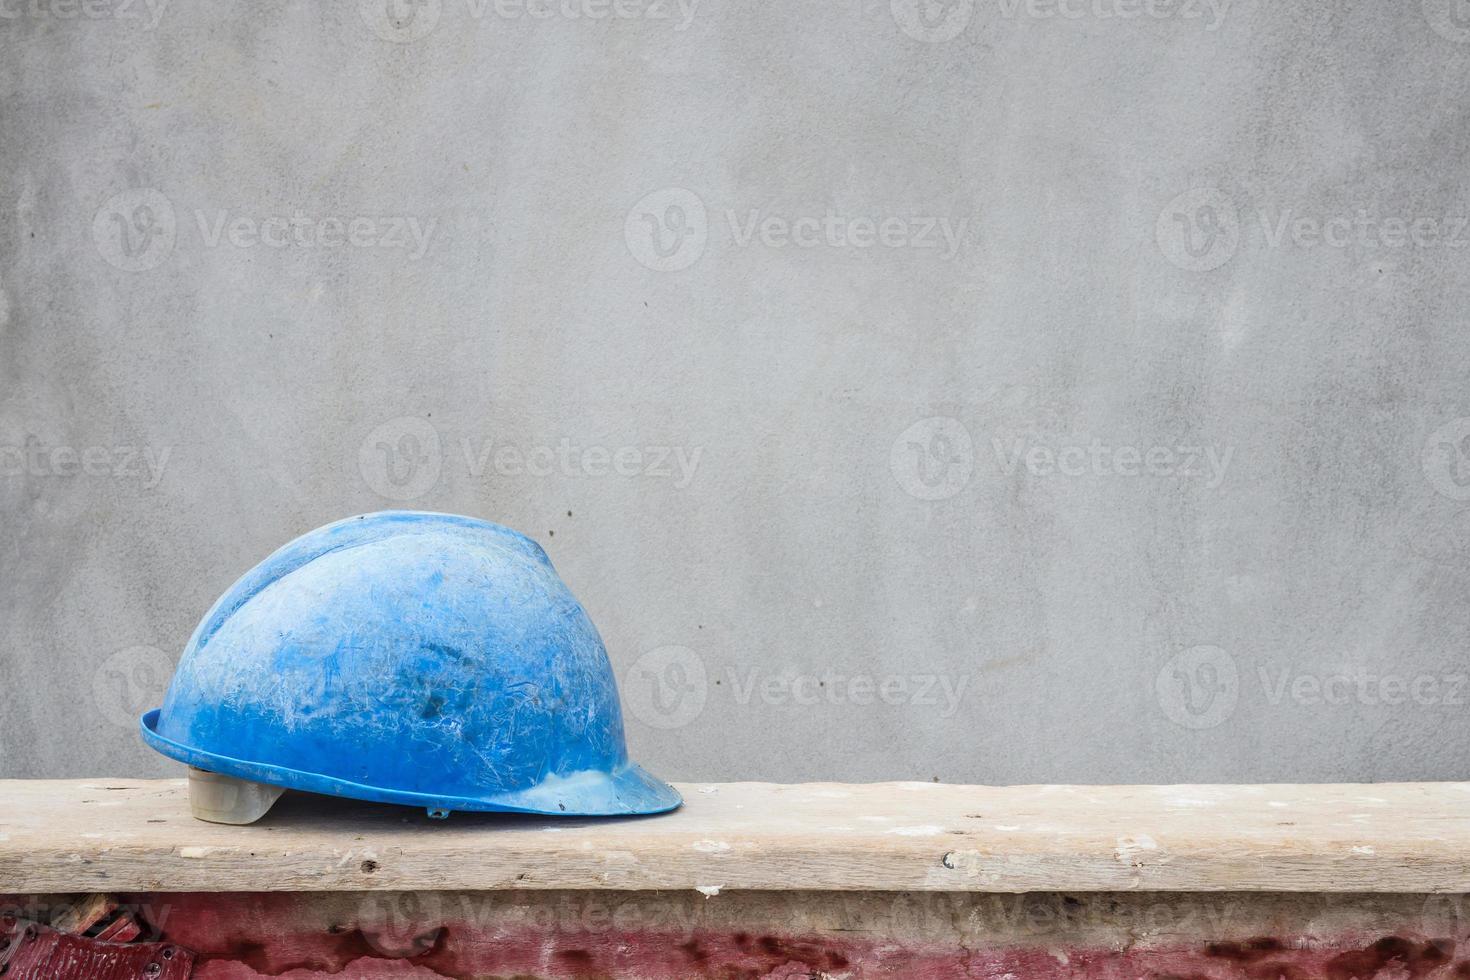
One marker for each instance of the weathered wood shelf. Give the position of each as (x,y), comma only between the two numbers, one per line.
(137,835)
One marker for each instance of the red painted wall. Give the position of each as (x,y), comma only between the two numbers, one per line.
(383,936)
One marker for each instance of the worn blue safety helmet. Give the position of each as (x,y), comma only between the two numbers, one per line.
(423,659)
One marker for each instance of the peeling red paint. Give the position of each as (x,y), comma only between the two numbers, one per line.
(677,957)
(229,932)
(32,952)
(407,937)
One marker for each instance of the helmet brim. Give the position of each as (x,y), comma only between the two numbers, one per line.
(624,792)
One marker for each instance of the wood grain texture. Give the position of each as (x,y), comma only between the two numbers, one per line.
(112,835)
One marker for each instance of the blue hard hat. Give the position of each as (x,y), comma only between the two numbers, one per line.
(423,659)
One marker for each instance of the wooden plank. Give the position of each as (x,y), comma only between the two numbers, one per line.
(69,836)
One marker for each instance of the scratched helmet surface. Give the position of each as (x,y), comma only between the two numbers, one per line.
(422,659)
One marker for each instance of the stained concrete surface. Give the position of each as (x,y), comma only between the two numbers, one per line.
(995,391)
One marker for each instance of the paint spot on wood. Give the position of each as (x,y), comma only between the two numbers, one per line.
(922,830)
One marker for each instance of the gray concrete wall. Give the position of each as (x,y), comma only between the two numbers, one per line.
(1007,390)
